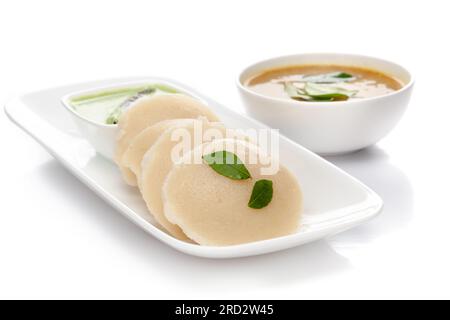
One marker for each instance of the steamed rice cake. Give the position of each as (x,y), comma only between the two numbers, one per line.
(149,110)
(158,161)
(134,154)
(213,209)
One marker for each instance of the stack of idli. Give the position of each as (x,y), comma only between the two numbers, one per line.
(189,199)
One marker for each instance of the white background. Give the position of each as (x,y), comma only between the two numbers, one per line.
(58,240)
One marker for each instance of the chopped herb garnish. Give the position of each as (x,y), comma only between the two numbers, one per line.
(333,77)
(343,75)
(295,92)
(320,92)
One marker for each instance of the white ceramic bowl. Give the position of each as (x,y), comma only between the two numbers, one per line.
(329,127)
(103,136)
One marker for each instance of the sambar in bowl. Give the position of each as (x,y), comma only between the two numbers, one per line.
(329,103)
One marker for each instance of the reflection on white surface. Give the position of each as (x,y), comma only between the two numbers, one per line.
(373,168)
(298,265)
(290,266)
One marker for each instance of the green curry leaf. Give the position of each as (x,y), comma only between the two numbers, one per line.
(295,92)
(227,164)
(317,92)
(333,77)
(342,75)
(261,195)
(327,93)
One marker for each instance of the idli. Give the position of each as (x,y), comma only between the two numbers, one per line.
(172,144)
(214,210)
(134,154)
(149,110)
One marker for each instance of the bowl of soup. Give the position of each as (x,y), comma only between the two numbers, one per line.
(329,103)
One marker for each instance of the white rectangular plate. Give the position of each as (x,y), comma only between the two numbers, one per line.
(333,200)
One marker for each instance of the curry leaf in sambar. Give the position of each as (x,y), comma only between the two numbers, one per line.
(333,77)
(320,92)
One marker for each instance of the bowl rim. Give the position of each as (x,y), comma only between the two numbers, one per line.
(65,100)
(241,86)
